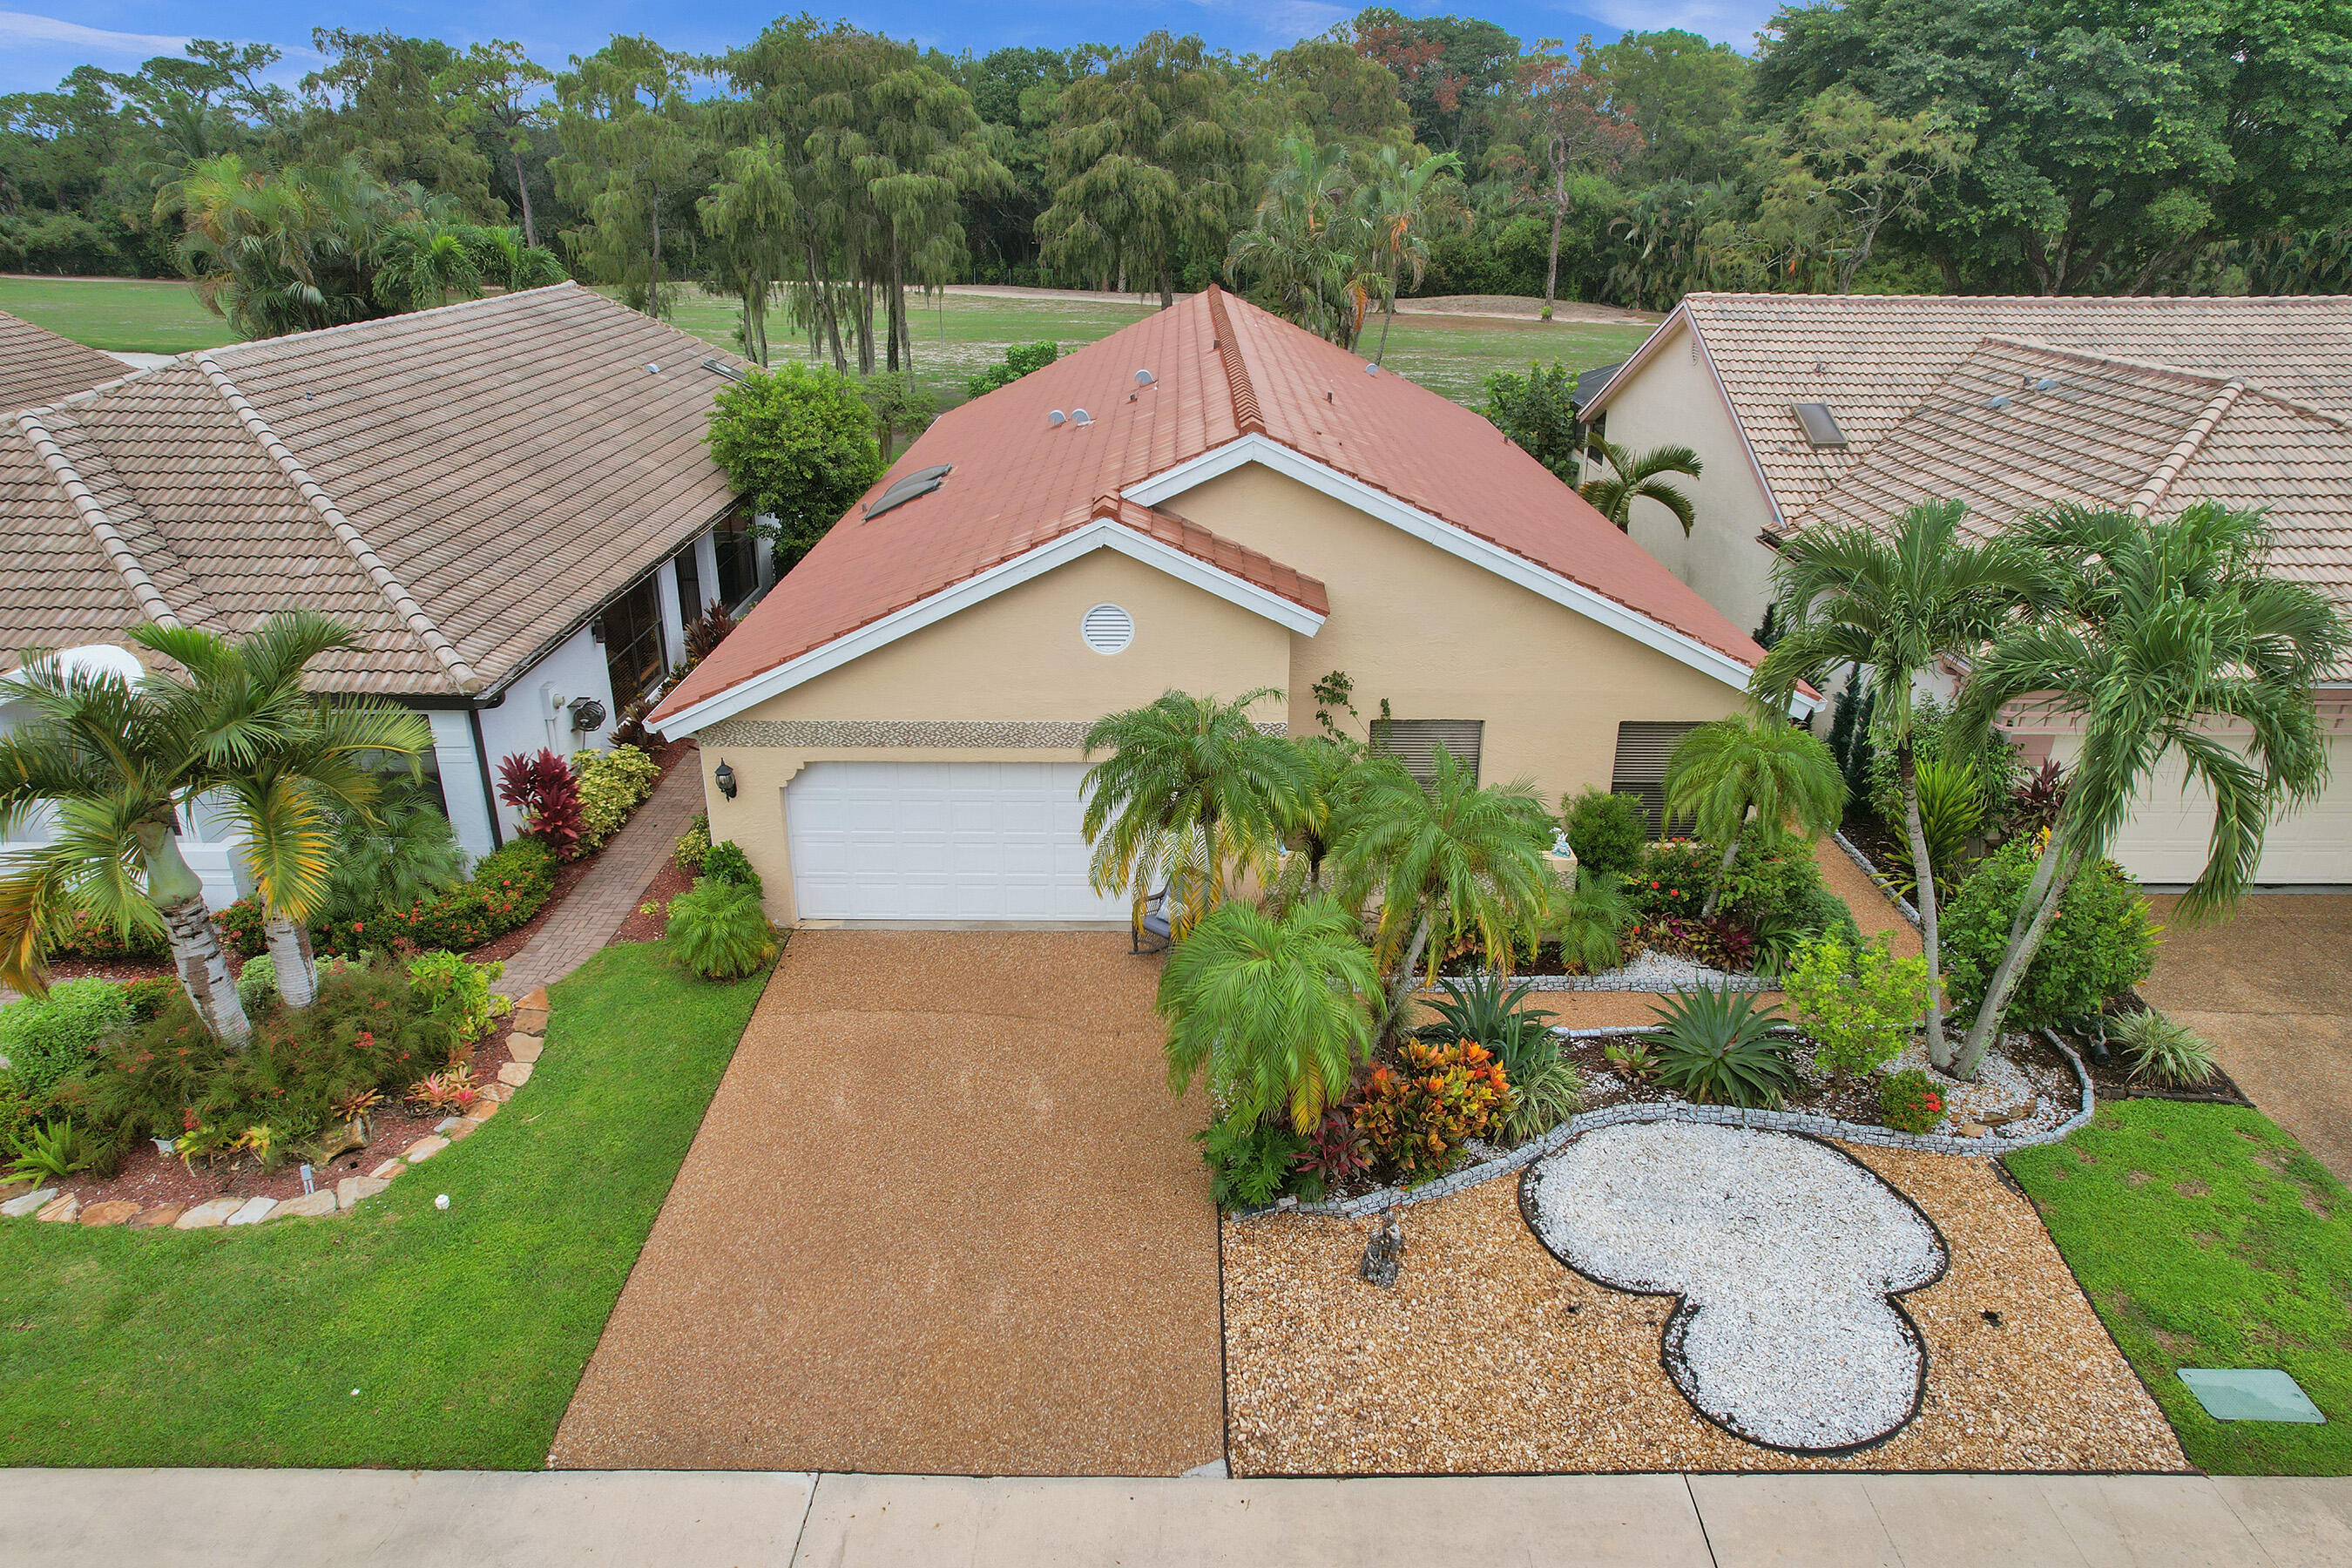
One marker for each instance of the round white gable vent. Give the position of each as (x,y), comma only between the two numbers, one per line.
(1108,629)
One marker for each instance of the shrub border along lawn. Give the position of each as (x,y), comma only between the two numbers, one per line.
(462,1331)
(2205,1237)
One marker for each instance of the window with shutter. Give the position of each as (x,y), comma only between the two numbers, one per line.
(1641,753)
(1414,742)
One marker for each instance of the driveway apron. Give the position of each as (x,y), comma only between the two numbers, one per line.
(2271,988)
(943,1215)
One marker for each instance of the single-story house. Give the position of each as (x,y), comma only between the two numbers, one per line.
(1810,408)
(1211,500)
(509,500)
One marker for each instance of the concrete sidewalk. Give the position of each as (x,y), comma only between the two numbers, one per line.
(164,1519)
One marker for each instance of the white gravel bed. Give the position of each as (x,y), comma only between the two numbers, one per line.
(2046,1096)
(1786,1255)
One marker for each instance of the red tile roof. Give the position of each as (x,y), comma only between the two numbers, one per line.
(1222,368)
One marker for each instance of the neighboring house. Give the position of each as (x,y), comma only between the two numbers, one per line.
(39,366)
(1213,500)
(1849,409)
(510,501)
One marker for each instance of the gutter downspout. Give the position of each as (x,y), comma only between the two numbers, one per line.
(482,771)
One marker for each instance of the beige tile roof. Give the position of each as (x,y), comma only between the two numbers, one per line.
(2017,426)
(39,366)
(1872,358)
(479,479)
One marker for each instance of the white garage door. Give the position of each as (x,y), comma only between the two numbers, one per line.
(2166,840)
(941,841)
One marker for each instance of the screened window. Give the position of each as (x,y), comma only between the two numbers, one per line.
(1641,753)
(633,641)
(1414,742)
(739,558)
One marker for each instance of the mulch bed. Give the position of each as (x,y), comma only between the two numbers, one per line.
(649,921)
(1490,1356)
(149,1177)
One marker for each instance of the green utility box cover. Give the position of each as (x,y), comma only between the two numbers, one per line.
(2249,1394)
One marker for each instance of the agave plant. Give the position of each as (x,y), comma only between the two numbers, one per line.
(1716,1046)
(1493,1011)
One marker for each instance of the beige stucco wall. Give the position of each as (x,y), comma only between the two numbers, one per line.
(1017,655)
(1441,638)
(1673,398)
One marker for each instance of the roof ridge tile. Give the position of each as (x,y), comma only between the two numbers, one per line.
(77,491)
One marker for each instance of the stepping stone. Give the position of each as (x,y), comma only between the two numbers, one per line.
(161,1215)
(490,1094)
(525,1047)
(2249,1394)
(447,1122)
(120,1211)
(24,1204)
(535,997)
(14,1187)
(60,1211)
(205,1216)
(459,1128)
(484,1108)
(310,1206)
(423,1149)
(528,1021)
(388,1169)
(254,1211)
(514,1075)
(351,1190)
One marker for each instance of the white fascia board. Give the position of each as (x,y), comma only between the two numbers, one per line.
(1562,590)
(1103,533)
(1651,346)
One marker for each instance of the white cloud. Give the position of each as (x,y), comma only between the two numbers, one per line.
(29,29)
(1732,22)
(1282,23)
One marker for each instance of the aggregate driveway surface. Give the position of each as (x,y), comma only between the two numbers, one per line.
(942,1217)
(2271,988)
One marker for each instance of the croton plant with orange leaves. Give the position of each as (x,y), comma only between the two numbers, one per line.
(1417,1113)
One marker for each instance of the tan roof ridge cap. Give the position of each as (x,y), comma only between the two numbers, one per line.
(2152,494)
(402,602)
(77,491)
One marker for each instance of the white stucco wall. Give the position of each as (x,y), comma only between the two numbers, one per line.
(530,716)
(1673,398)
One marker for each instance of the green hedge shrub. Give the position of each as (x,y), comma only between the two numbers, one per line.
(2101,941)
(1607,832)
(613,783)
(50,1039)
(720,929)
(693,844)
(726,862)
(85,936)
(242,927)
(507,888)
(1673,881)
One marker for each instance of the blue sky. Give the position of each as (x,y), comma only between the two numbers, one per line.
(40,44)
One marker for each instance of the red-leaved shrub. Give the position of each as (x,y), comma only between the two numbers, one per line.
(544,790)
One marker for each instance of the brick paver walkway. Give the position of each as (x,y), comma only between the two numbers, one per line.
(607,895)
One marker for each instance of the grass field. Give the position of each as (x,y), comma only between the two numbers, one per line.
(129,315)
(2206,1236)
(955,335)
(399,1335)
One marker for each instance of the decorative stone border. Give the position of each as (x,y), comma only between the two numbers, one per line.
(1615,980)
(526,1038)
(1866,1133)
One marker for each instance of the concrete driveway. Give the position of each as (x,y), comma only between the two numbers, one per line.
(943,1215)
(2272,988)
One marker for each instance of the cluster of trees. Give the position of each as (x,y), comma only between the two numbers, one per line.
(2016,146)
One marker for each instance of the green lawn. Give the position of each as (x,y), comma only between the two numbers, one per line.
(130,315)
(463,1333)
(957,334)
(2206,1236)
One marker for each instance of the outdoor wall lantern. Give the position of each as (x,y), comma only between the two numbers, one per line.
(725,779)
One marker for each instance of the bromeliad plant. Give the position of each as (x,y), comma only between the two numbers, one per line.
(1271,1007)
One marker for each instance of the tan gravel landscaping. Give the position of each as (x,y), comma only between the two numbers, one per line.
(1489,1355)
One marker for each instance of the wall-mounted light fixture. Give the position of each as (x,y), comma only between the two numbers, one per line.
(724,777)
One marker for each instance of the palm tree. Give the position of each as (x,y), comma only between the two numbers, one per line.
(1445,861)
(1894,605)
(1638,477)
(1751,762)
(2160,628)
(114,762)
(1272,1005)
(1404,198)
(1194,791)
(277,763)
(1307,244)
